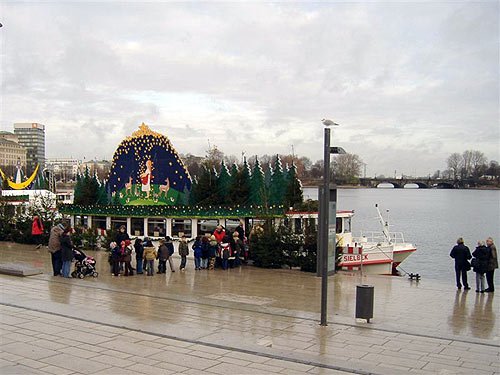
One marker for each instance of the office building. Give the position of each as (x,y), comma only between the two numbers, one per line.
(32,137)
(10,153)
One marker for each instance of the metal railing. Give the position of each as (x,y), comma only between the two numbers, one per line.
(379,237)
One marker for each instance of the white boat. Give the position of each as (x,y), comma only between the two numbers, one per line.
(371,252)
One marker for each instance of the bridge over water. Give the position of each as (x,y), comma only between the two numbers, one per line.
(422,183)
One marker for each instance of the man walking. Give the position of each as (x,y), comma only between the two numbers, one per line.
(461,254)
(492,265)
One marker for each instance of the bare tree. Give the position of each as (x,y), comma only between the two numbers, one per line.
(478,164)
(347,168)
(455,164)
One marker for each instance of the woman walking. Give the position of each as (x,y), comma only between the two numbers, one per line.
(480,265)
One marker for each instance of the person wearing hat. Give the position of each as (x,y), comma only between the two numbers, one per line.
(55,248)
(461,254)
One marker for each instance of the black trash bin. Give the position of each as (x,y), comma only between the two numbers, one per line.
(364,302)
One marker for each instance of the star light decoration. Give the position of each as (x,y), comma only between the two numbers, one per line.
(142,145)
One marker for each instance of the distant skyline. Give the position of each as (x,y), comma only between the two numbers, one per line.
(410,83)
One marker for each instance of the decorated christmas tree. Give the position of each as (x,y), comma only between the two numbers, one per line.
(293,194)
(240,186)
(223,184)
(258,189)
(278,184)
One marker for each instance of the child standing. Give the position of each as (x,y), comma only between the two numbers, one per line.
(127,258)
(197,253)
(225,252)
(183,252)
(149,256)
(213,247)
(115,259)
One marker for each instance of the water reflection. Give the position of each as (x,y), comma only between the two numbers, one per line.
(458,318)
(482,315)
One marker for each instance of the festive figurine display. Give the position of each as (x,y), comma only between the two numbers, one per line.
(146,178)
(147,170)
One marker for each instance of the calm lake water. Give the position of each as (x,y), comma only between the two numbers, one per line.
(432,219)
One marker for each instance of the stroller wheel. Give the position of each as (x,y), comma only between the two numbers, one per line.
(81,276)
(73,274)
(95,274)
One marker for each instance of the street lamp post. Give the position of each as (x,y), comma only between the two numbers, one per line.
(325,197)
(327,220)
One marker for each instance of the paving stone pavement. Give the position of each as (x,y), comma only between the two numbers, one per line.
(173,324)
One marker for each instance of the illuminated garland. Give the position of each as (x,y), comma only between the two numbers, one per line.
(175,212)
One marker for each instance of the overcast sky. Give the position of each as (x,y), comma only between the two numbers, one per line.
(409,82)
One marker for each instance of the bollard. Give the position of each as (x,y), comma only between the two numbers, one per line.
(364,302)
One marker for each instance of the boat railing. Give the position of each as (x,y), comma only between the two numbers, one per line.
(379,237)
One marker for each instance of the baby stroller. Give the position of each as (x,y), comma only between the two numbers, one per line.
(84,266)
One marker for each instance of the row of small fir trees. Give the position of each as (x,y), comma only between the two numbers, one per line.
(245,187)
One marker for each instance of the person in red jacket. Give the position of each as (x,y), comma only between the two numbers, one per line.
(37,231)
(219,233)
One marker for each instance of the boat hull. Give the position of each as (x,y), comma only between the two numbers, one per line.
(375,259)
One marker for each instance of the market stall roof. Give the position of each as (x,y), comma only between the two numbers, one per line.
(175,212)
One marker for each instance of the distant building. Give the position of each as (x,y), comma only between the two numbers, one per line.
(9,136)
(64,169)
(32,137)
(11,153)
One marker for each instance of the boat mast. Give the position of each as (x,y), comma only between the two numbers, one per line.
(385,224)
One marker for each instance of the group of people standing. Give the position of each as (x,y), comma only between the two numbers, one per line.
(219,249)
(483,261)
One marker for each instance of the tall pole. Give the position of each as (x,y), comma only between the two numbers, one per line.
(324,223)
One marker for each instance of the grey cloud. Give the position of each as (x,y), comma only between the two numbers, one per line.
(396,76)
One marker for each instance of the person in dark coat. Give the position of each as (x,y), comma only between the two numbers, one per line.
(492,265)
(241,230)
(480,265)
(162,256)
(170,246)
(115,258)
(139,254)
(122,235)
(205,252)
(461,254)
(66,253)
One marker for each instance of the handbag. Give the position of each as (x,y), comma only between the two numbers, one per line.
(473,263)
(467,265)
